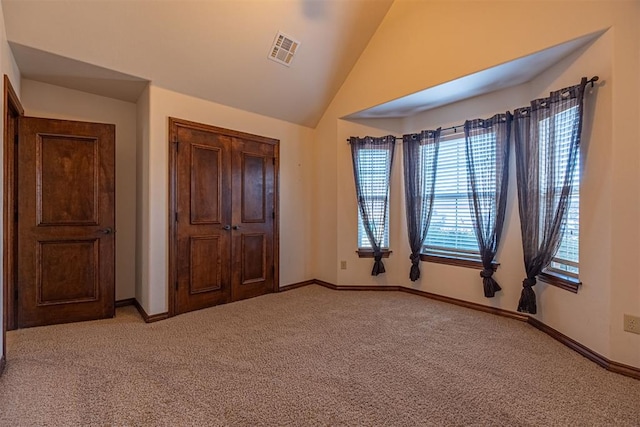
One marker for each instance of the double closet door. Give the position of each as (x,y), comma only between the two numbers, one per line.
(224,200)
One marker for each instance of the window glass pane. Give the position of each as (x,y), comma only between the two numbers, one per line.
(363,242)
(451,230)
(373,166)
(567,257)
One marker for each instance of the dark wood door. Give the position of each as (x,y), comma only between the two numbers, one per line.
(66,241)
(203,218)
(253,218)
(224,193)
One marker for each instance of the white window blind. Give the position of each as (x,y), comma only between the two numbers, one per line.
(451,232)
(374,164)
(566,259)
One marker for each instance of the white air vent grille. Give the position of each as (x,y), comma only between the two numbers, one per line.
(283,49)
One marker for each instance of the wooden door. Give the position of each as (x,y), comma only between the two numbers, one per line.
(202,218)
(66,241)
(13,110)
(253,218)
(223,226)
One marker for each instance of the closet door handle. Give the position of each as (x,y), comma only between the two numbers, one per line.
(236,227)
(226,227)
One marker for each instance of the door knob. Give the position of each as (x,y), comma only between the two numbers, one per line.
(236,227)
(226,227)
(107,230)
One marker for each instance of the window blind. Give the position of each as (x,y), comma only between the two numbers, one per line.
(561,127)
(451,230)
(374,164)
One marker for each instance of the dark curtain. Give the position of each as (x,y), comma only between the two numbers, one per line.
(487,151)
(545,177)
(420,155)
(371,203)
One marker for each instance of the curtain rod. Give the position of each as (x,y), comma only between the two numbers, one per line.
(592,80)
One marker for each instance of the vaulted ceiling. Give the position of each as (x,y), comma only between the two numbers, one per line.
(215,49)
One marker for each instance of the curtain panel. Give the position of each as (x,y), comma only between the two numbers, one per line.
(545,177)
(420,156)
(373,159)
(487,143)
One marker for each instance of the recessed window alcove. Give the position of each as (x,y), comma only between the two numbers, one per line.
(502,76)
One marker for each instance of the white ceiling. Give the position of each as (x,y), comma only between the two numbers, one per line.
(215,49)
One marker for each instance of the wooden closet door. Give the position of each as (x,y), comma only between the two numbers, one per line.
(203,219)
(253,205)
(223,229)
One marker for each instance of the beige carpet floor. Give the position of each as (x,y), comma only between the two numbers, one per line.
(310,356)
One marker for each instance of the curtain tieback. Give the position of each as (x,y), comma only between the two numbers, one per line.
(486,273)
(377,255)
(529,282)
(415,259)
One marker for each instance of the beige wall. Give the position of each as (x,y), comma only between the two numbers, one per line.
(295,196)
(440,50)
(55,102)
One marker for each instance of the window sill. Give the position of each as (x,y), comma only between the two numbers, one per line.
(568,283)
(458,262)
(368,253)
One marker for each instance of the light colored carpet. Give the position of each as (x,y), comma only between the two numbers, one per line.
(310,356)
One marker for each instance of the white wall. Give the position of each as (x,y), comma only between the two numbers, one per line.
(442,50)
(55,102)
(295,195)
(7,66)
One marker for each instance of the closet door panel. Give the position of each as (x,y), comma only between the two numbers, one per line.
(253,218)
(202,218)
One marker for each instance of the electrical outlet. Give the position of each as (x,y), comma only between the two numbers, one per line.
(343,265)
(632,323)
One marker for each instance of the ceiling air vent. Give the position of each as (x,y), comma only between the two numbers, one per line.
(283,49)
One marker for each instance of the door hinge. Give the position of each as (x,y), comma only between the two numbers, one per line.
(15,292)
(273,214)
(176,217)
(177,144)
(15,215)
(274,161)
(16,137)
(176,285)
(273,270)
